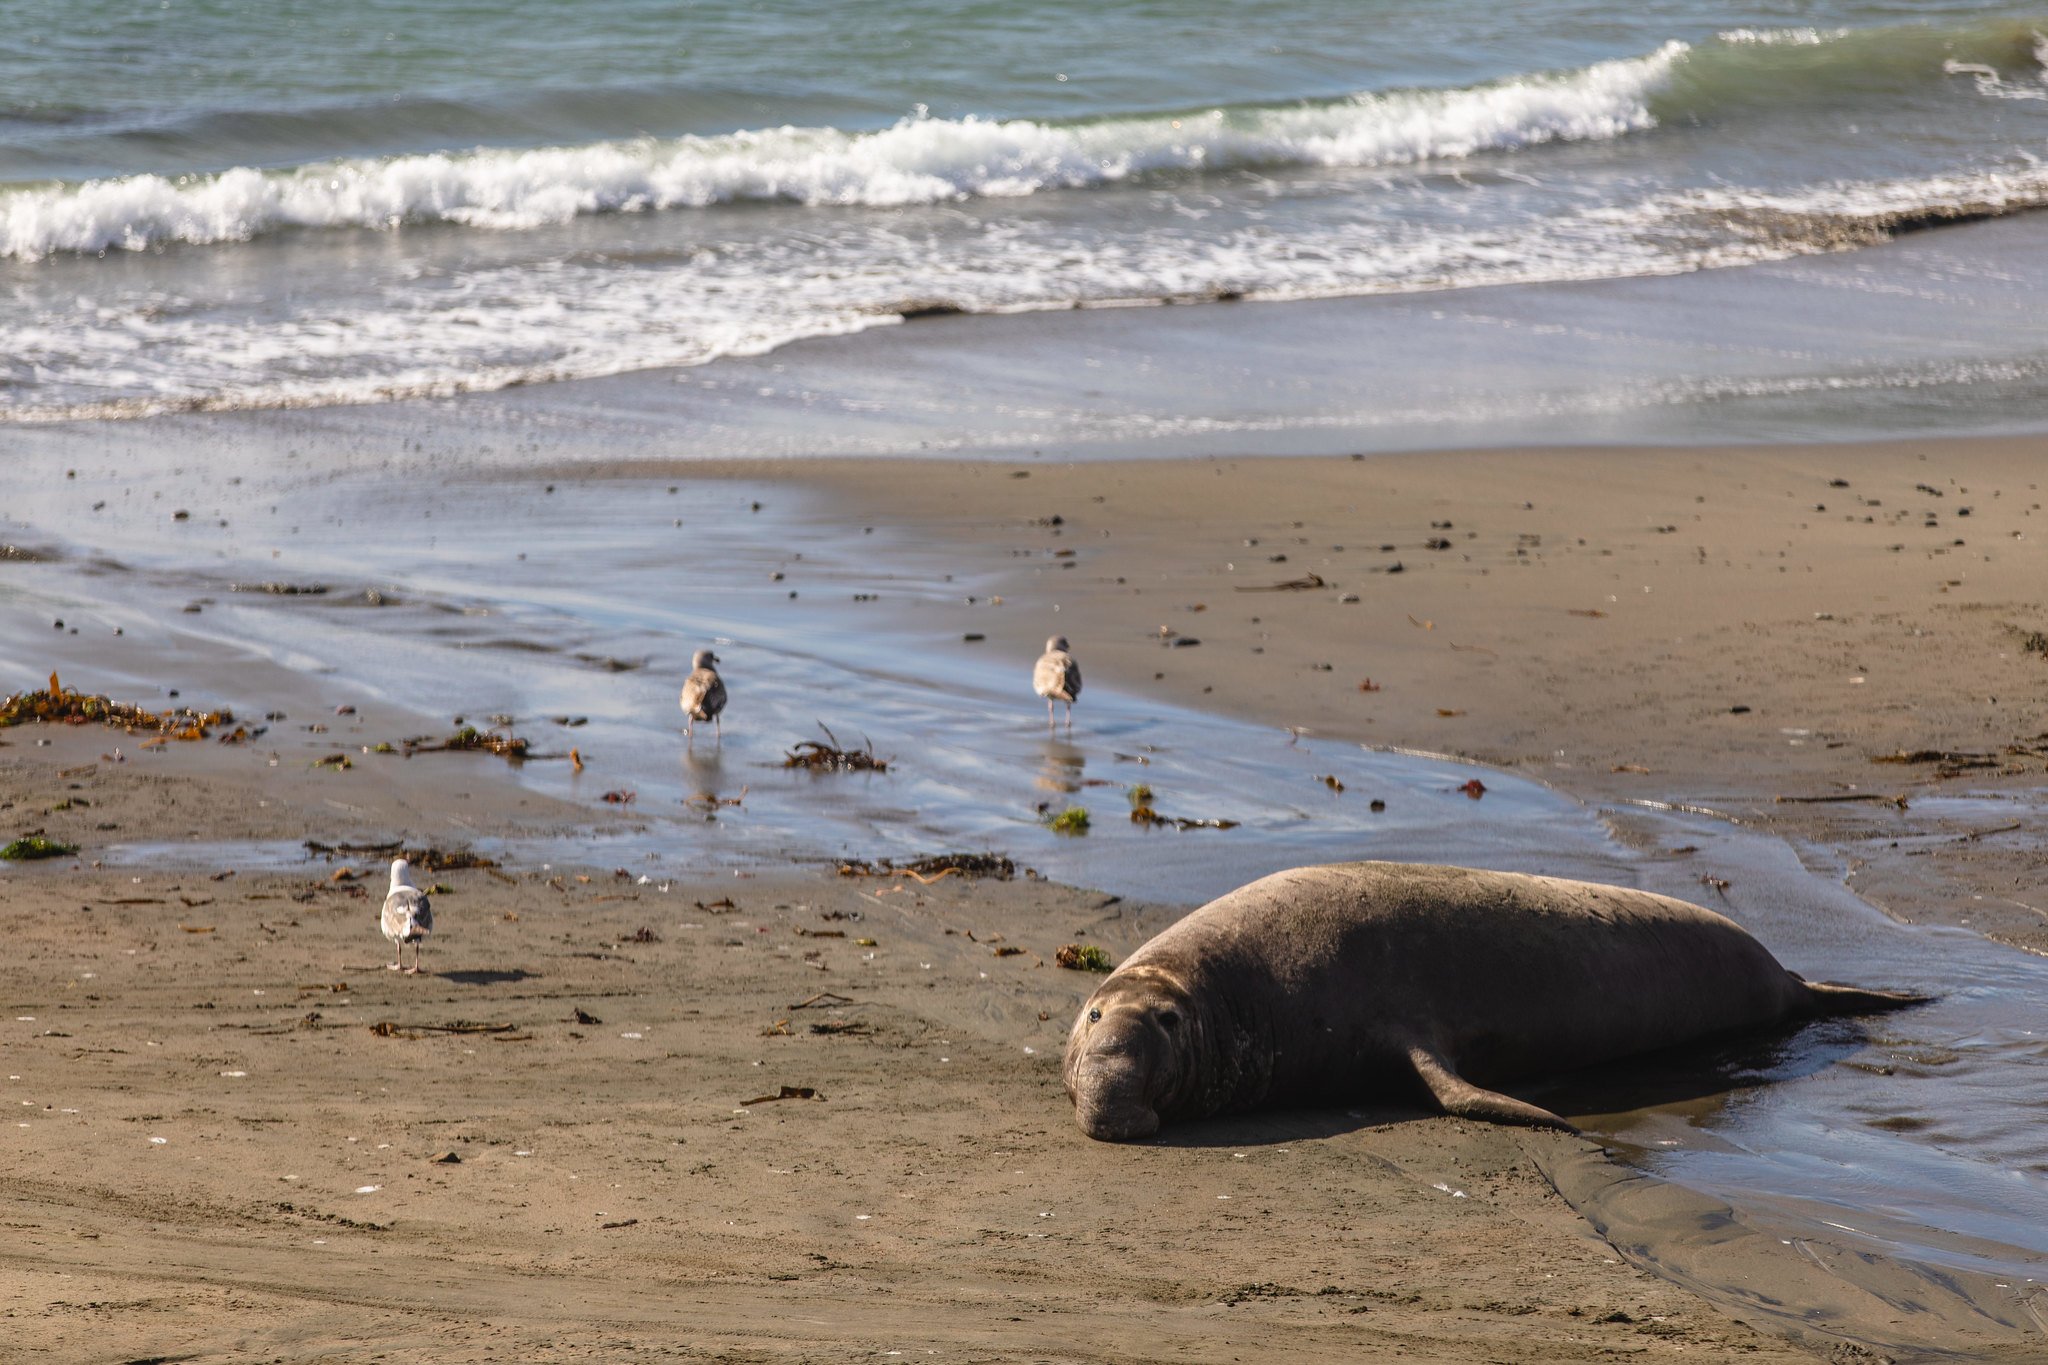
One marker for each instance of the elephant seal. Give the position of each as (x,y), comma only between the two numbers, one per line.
(1325,984)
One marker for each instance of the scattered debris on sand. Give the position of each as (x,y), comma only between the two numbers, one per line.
(787,1092)
(1878,797)
(1305,583)
(387,1029)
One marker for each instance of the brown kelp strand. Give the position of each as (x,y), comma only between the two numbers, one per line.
(828,756)
(993,865)
(424,859)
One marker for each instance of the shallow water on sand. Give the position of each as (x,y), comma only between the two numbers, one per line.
(1907,1139)
(1912,1137)
(584,605)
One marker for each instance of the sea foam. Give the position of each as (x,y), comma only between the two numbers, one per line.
(917,161)
(489,327)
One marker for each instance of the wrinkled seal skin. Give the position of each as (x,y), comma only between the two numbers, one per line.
(1326,984)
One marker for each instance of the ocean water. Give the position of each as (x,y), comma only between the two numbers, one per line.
(217,204)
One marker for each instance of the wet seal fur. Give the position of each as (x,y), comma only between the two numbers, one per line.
(1326,984)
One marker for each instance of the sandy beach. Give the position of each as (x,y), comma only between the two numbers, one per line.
(226,1159)
(238,1136)
(1595,443)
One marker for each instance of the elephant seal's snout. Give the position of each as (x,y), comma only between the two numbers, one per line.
(1109,1100)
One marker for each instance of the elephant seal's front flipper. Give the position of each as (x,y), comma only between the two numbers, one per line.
(1462,1099)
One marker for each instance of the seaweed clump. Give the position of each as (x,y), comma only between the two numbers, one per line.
(36,846)
(469,739)
(1083,957)
(61,705)
(973,865)
(1072,820)
(828,756)
(1145,815)
(424,859)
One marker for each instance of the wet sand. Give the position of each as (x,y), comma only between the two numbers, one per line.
(937,1198)
(1718,626)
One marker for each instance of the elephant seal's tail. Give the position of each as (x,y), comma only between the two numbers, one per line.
(1825,998)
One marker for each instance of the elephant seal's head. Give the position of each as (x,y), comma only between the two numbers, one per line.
(1129,1053)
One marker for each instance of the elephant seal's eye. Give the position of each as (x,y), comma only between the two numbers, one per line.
(1094,1016)
(1169,1018)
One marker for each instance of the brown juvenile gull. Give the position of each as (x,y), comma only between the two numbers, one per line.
(1057,678)
(703,694)
(408,916)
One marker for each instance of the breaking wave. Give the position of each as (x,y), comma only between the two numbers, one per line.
(917,161)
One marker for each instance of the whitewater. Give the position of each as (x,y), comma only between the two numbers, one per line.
(410,270)
(920,160)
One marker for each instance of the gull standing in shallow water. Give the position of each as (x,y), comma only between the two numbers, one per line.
(703,694)
(1057,678)
(408,916)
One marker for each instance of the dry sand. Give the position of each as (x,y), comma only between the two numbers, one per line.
(615,1196)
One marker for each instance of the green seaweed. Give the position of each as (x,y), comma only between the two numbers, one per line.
(1072,820)
(36,846)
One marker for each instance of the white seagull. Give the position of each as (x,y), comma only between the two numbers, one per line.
(1057,678)
(703,694)
(408,916)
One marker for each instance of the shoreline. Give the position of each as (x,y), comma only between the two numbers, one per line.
(1607,448)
